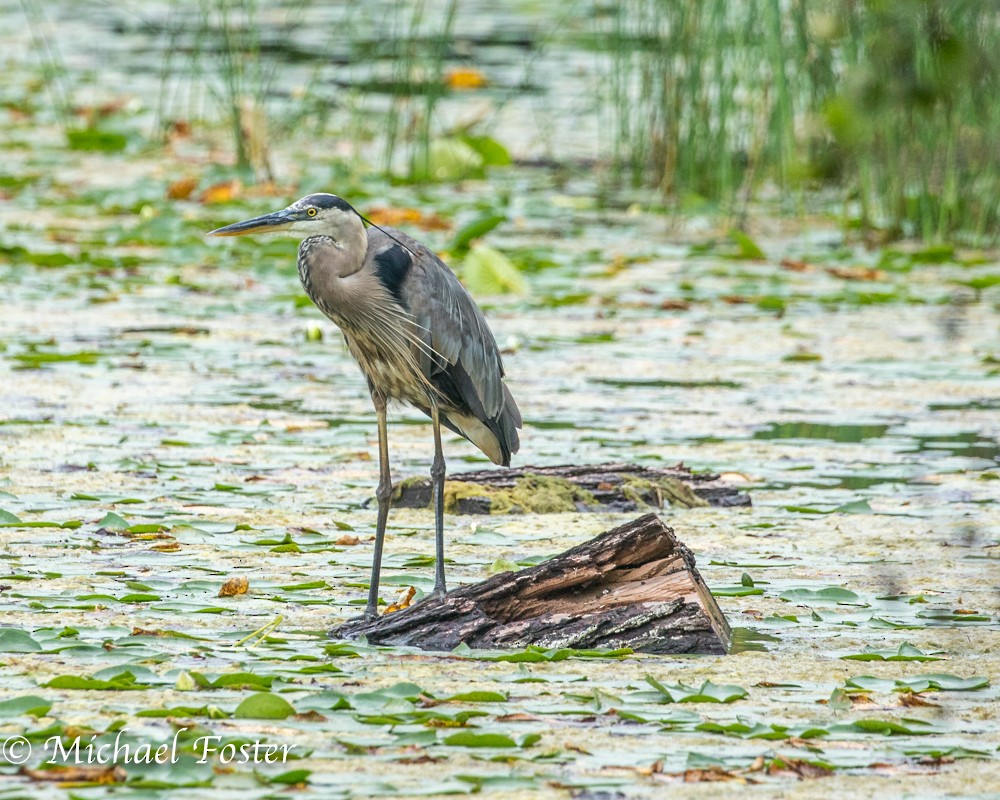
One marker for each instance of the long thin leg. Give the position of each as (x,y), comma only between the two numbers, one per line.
(437,479)
(384,495)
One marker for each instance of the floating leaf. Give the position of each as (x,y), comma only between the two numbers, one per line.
(746,248)
(464,78)
(736,591)
(831,594)
(234,586)
(490,150)
(475,230)
(905,652)
(139,597)
(480,696)
(448,159)
(96,139)
(121,681)
(304,587)
(264,705)
(534,654)
(26,705)
(292,777)
(487,271)
(243,680)
(886,727)
(708,692)
(112,522)
(473,739)
(920,683)
(14,640)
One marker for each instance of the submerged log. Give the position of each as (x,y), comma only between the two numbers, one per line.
(601,487)
(634,586)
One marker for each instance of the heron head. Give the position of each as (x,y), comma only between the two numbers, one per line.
(317,214)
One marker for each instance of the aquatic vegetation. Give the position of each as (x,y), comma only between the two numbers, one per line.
(176,420)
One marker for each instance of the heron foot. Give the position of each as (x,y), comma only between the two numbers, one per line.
(437,592)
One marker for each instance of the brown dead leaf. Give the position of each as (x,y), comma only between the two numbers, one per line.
(915,700)
(734,299)
(713,775)
(395,217)
(168,547)
(520,716)
(268,189)
(935,761)
(856,698)
(799,767)
(145,632)
(235,586)
(423,759)
(463,78)
(673,304)
(796,266)
(789,767)
(403,601)
(78,774)
(310,716)
(224,192)
(443,723)
(178,129)
(856,273)
(347,540)
(734,477)
(182,189)
(795,741)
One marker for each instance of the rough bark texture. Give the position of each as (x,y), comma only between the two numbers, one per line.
(635,586)
(602,487)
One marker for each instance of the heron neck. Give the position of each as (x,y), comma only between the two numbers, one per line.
(354,244)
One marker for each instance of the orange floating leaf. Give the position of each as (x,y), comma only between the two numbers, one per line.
(78,774)
(221,192)
(856,273)
(464,78)
(394,217)
(234,586)
(403,601)
(182,189)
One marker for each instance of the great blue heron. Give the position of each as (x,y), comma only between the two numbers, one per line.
(415,332)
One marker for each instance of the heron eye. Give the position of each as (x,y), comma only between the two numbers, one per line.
(311,212)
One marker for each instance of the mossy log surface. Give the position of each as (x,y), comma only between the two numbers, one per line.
(600,487)
(634,586)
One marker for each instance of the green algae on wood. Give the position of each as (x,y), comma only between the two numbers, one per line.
(548,490)
(532,494)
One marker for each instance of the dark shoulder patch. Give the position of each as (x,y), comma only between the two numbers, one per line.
(324,200)
(391,268)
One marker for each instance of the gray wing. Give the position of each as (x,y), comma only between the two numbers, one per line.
(460,357)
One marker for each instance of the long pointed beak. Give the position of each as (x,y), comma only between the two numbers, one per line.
(269,223)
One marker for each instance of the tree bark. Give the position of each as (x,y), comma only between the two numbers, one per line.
(602,487)
(634,586)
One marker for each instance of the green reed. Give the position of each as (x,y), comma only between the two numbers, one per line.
(893,102)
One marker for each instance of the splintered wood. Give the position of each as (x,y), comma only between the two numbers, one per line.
(634,586)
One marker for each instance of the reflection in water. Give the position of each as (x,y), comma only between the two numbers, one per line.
(820,430)
(744,639)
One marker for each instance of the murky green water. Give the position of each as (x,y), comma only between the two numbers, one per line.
(167,422)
